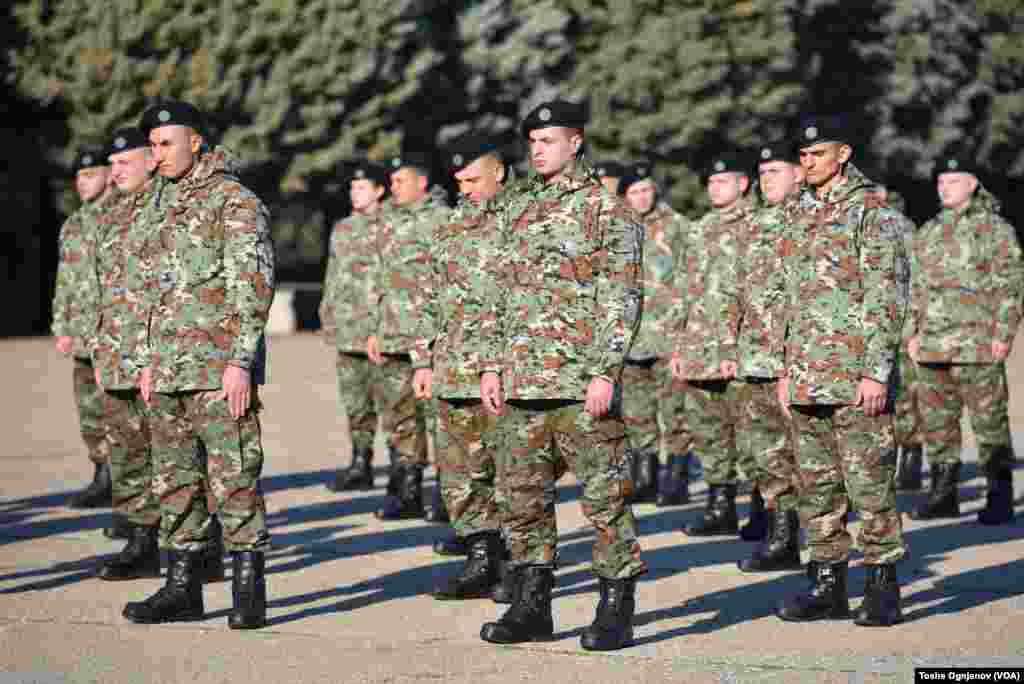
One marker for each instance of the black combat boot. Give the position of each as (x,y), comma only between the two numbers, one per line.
(756,528)
(359,475)
(451,546)
(881,606)
(674,482)
(408,503)
(781,550)
(139,558)
(479,574)
(944,499)
(181,597)
(645,477)
(395,472)
(826,597)
(504,590)
(119,528)
(719,515)
(210,567)
(999,496)
(612,628)
(248,590)
(908,474)
(98,494)
(437,513)
(529,618)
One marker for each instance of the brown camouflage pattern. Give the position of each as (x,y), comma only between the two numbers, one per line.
(346,314)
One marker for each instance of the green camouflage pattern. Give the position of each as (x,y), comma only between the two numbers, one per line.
(465,460)
(356,395)
(968,281)
(345,310)
(215,275)
(403,418)
(712,406)
(665,248)
(131,468)
(89,402)
(847,457)
(843,256)
(654,408)
(907,409)
(764,432)
(568,298)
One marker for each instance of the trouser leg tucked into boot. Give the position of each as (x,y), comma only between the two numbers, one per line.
(908,474)
(999,496)
(719,515)
(826,597)
(781,551)
(480,572)
(944,499)
(757,523)
(139,558)
(645,478)
(119,528)
(211,559)
(408,503)
(612,628)
(529,617)
(359,475)
(98,493)
(881,606)
(248,590)
(674,481)
(181,597)
(504,589)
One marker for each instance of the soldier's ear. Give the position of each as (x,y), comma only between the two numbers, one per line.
(195,142)
(744,181)
(845,153)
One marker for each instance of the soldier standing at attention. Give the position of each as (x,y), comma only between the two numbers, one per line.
(763,429)
(842,261)
(968,280)
(705,345)
(610,174)
(565,311)
(654,401)
(75,300)
(345,315)
(215,274)
(399,291)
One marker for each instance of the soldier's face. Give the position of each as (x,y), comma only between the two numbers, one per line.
(553,149)
(824,161)
(90,182)
(132,168)
(481,180)
(641,196)
(408,186)
(724,189)
(779,180)
(955,189)
(175,149)
(610,183)
(364,194)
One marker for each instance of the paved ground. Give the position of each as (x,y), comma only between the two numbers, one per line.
(348,594)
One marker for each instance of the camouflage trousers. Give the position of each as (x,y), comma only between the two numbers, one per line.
(403,418)
(465,461)
(712,411)
(89,400)
(231,473)
(846,456)
(355,394)
(131,466)
(944,390)
(537,440)
(909,421)
(763,431)
(653,408)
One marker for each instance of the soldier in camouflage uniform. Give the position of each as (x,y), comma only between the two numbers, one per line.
(74,313)
(843,256)
(968,280)
(763,430)
(398,294)
(566,307)
(653,401)
(345,314)
(215,279)
(704,340)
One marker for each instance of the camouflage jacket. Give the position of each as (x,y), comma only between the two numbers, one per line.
(707,329)
(76,292)
(400,285)
(568,296)
(128,287)
(215,276)
(345,311)
(968,280)
(665,243)
(762,293)
(463,255)
(842,255)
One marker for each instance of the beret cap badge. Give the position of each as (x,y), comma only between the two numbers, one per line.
(457,160)
(811,132)
(719,166)
(544,114)
(120,143)
(766,153)
(164,115)
(952,164)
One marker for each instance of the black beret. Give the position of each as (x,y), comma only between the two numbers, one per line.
(467,149)
(555,113)
(125,139)
(727,162)
(956,160)
(780,150)
(373,172)
(172,114)
(416,160)
(612,169)
(88,157)
(816,129)
(635,174)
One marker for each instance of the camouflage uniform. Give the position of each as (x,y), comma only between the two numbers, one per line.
(75,301)
(907,406)
(215,276)
(566,305)
(968,280)
(842,257)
